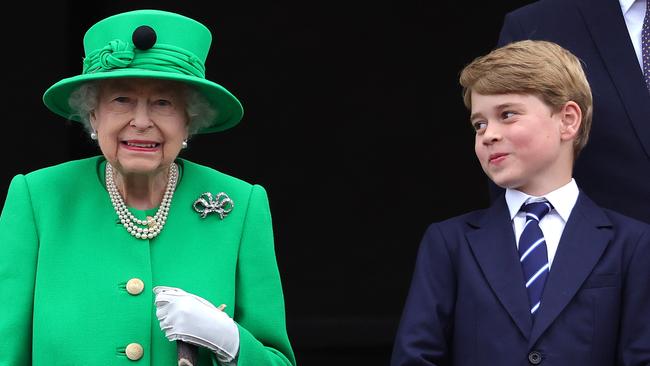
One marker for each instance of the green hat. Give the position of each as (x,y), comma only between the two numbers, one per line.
(148,44)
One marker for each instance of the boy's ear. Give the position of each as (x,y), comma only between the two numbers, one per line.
(571,118)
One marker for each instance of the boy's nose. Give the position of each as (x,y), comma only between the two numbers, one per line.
(491,134)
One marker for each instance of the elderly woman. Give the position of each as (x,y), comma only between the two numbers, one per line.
(107,259)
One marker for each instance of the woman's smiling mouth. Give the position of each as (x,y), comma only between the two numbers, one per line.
(140,145)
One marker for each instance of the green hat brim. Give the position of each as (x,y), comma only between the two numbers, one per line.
(229,109)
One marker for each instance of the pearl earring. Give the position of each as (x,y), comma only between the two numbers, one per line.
(93,135)
(184,144)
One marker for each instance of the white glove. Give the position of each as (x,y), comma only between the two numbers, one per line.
(192,319)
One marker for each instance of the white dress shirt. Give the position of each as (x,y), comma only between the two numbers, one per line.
(563,199)
(633,12)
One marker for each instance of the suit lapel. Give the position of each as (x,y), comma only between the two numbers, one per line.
(493,245)
(615,47)
(581,246)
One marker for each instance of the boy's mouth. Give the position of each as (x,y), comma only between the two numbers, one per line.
(496,157)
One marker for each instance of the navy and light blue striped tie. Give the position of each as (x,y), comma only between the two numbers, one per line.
(532,252)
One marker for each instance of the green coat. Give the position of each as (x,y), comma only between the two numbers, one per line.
(65,260)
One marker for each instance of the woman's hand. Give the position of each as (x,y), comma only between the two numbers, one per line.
(192,319)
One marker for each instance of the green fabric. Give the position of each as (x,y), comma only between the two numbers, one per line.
(66,260)
(181,49)
(119,54)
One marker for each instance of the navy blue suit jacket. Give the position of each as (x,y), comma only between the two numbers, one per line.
(467,304)
(614,168)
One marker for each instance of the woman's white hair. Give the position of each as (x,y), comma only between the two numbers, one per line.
(84,100)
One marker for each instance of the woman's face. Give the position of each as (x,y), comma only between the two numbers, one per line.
(140,124)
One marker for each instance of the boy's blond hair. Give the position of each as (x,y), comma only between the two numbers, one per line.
(541,68)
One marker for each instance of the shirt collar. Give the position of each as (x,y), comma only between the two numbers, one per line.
(563,199)
(626,5)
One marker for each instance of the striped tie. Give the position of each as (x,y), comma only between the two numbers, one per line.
(532,252)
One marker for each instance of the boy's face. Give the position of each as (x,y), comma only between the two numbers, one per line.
(521,143)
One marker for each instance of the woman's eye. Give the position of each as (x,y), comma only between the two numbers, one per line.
(162,103)
(120,104)
(164,107)
(121,99)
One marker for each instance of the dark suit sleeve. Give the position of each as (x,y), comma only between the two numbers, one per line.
(634,346)
(426,325)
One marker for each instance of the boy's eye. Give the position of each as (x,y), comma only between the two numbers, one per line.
(479,126)
(507,114)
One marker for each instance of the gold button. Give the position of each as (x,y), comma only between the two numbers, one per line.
(135,286)
(134,351)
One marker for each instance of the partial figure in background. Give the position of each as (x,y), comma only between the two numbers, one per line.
(608,37)
(107,259)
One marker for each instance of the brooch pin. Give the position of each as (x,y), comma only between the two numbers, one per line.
(221,204)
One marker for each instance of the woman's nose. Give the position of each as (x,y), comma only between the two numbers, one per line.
(141,117)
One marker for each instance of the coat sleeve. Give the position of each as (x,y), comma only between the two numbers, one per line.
(259,302)
(18,259)
(634,339)
(424,332)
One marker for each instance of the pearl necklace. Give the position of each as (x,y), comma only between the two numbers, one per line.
(152,226)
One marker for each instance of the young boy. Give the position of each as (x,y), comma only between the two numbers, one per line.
(544,275)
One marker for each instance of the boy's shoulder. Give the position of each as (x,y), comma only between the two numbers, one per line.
(603,216)
(468,220)
(621,227)
(622,222)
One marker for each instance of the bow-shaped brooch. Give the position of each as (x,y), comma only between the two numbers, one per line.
(221,204)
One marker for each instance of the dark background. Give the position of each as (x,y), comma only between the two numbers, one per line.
(353,123)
